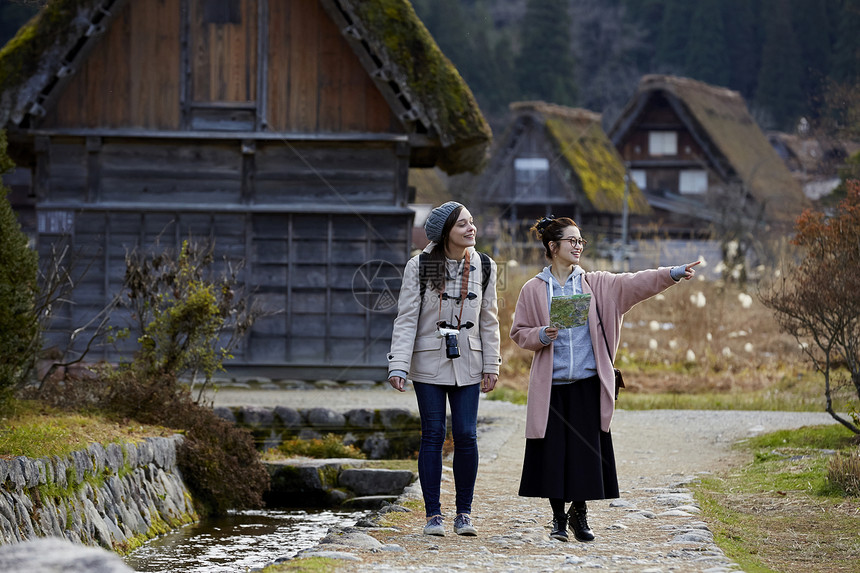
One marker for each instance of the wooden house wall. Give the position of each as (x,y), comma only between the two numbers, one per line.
(635,147)
(303,213)
(312,215)
(223,50)
(318,83)
(662,171)
(314,174)
(314,83)
(132,77)
(531,142)
(160,171)
(302,268)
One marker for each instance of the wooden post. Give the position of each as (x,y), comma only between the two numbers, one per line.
(42,147)
(184,65)
(94,169)
(262,64)
(249,171)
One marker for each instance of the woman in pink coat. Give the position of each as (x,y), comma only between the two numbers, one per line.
(571,396)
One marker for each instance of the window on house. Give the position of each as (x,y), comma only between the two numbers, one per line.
(693,181)
(221,12)
(663,143)
(532,176)
(639,178)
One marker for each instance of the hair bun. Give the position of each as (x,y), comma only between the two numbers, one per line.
(543,223)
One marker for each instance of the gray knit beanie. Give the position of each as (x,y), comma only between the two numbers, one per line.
(436,220)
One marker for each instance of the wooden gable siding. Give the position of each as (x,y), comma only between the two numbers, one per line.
(315,81)
(223,54)
(131,78)
(530,142)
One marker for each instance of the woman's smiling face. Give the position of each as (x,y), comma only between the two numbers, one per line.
(567,252)
(463,233)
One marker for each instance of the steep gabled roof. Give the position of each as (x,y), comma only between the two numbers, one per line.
(720,121)
(391,42)
(580,141)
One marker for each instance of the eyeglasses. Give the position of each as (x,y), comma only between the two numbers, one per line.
(574,242)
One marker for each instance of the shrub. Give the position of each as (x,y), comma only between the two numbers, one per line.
(818,302)
(329,446)
(19,327)
(218,460)
(187,321)
(844,471)
(181,317)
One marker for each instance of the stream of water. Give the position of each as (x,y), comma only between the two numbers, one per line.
(237,542)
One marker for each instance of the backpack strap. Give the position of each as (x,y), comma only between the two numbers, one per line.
(486,269)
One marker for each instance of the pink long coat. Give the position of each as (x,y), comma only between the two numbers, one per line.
(615,293)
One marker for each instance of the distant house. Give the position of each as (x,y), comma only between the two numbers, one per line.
(814,162)
(701,160)
(555,160)
(284,130)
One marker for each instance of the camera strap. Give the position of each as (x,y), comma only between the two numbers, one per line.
(464,290)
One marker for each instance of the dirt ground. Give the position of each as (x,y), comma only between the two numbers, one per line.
(653,527)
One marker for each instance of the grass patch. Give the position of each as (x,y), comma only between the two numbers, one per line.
(35,430)
(780,512)
(329,446)
(668,388)
(508,394)
(397,518)
(411,465)
(309,565)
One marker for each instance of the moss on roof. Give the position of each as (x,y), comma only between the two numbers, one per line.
(723,116)
(593,160)
(393,27)
(55,27)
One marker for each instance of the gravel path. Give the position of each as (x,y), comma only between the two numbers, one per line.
(653,527)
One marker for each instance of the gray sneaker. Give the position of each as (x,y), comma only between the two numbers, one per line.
(434,526)
(463,525)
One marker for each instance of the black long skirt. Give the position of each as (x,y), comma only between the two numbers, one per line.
(574,461)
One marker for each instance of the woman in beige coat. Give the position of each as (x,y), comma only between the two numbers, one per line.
(446,340)
(569,455)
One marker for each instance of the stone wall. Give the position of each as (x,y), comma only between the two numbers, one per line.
(381,433)
(116,496)
(304,482)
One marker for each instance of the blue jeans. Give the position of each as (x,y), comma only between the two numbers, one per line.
(464,422)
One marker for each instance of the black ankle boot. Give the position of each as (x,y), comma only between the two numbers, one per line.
(578,522)
(559,528)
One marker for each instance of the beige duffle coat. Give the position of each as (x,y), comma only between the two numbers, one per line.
(418,350)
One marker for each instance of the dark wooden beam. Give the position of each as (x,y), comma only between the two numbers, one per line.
(262,64)
(94,168)
(137,133)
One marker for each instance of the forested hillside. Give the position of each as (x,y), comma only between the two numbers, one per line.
(789,58)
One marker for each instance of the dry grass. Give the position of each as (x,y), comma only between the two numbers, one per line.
(698,338)
(781,511)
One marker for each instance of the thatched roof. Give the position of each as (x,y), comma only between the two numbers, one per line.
(593,161)
(35,57)
(406,54)
(424,73)
(719,119)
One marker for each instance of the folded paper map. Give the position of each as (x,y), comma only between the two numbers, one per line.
(569,310)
